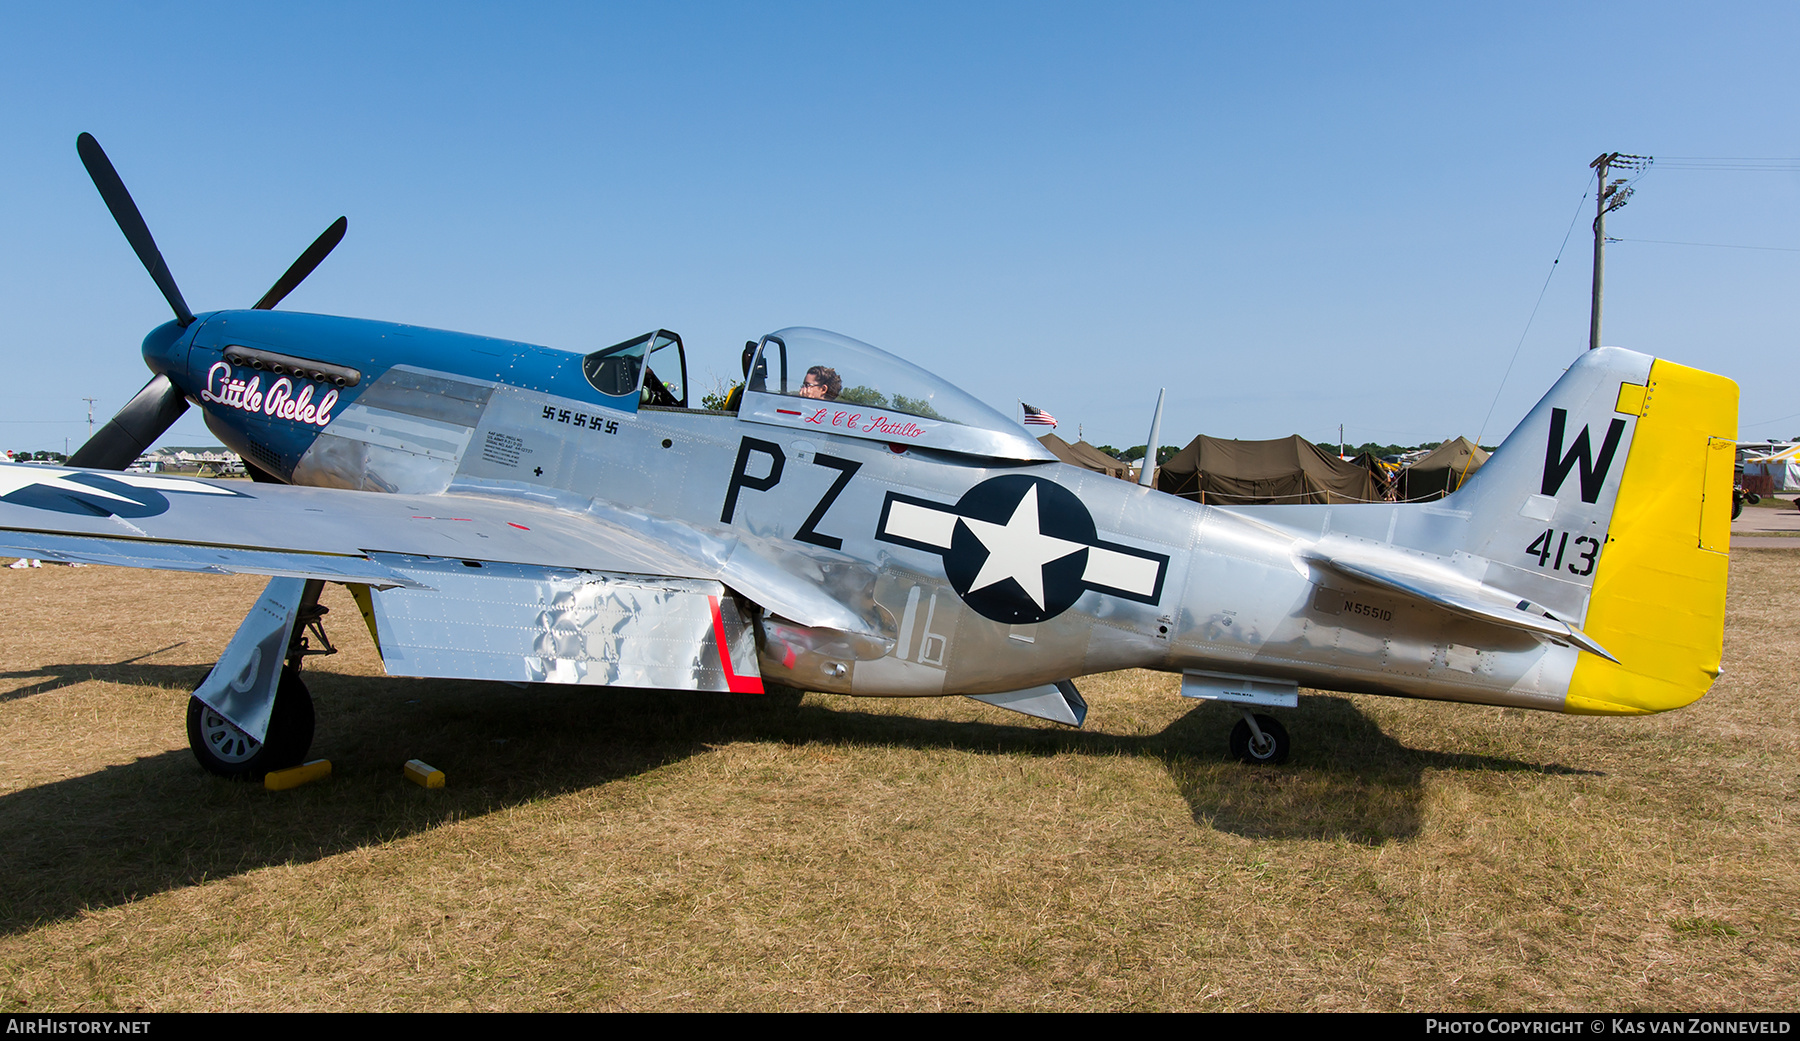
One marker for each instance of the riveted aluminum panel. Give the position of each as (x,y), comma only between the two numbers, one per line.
(526,624)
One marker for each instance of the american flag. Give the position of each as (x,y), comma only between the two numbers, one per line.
(1037,417)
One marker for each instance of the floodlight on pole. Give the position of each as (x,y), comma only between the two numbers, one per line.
(1608,198)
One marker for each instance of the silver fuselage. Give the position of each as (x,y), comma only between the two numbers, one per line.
(1236,593)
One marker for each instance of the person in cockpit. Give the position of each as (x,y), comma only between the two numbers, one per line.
(822,382)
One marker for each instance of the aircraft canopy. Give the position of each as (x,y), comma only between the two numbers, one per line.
(811,379)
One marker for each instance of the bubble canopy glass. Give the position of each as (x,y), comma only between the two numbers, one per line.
(811,379)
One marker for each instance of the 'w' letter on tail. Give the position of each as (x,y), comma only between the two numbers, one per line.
(1593,471)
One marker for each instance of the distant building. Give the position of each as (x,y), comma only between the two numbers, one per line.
(190,459)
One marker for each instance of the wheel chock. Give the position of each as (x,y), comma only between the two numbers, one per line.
(424,774)
(295,776)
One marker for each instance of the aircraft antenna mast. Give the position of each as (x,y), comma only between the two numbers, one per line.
(1147,469)
(1607,198)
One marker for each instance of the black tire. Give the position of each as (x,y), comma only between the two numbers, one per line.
(1752,498)
(225,750)
(1276,751)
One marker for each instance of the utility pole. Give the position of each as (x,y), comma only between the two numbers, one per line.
(1607,198)
(90,402)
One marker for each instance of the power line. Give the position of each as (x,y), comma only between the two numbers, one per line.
(1534,312)
(1727,163)
(1714,245)
(1772,422)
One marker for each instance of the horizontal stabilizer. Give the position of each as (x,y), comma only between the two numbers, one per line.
(1441,586)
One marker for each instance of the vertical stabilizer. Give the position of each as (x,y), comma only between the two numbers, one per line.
(1610,508)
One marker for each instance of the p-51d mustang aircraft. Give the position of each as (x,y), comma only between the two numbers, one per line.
(505,511)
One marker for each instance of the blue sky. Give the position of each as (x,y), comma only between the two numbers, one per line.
(1291,215)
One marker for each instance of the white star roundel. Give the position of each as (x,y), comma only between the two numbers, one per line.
(1021,549)
(86,492)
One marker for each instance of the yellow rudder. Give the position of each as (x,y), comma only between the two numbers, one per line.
(1658,601)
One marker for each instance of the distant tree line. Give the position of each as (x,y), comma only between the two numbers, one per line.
(1383,451)
(1378,451)
(1136,452)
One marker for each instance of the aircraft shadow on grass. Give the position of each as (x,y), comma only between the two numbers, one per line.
(130,831)
(130,672)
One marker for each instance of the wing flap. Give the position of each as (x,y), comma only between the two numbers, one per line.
(524,624)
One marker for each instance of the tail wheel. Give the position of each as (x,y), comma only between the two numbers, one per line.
(1271,750)
(225,750)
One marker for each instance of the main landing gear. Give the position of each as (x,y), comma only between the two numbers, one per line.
(259,677)
(225,750)
(1259,740)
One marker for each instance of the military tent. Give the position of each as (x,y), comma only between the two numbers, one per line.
(1386,474)
(1084,455)
(1441,471)
(1241,473)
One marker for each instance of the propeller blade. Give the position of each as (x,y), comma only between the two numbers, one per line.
(126,435)
(131,222)
(314,255)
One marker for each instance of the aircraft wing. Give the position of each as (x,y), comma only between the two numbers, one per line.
(383,540)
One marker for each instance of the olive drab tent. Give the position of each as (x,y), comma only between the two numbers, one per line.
(1085,456)
(1386,474)
(1441,471)
(1242,473)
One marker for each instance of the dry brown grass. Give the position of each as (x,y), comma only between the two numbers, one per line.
(641,850)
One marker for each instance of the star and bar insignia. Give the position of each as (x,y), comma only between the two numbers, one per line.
(1021,549)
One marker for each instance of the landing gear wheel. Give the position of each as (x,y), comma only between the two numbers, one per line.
(225,750)
(1271,750)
